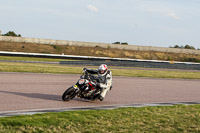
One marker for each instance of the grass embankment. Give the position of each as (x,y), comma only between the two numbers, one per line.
(179,118)
(97,51)
(62,69)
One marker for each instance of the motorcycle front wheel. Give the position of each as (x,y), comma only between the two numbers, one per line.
(69,94)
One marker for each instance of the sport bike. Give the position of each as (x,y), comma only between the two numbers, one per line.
(86,88)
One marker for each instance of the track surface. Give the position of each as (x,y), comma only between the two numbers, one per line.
(29,91)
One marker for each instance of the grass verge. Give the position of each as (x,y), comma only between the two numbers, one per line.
(180,118)
(61,69)
(10,58)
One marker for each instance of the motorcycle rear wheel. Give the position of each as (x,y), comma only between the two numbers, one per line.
(69,94)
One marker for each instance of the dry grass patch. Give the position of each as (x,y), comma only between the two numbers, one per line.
(96,51)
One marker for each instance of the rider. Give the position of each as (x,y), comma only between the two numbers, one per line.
(104,79)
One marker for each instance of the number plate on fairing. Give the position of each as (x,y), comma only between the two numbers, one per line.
(76,88)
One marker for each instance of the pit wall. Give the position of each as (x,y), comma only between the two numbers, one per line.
(94,44)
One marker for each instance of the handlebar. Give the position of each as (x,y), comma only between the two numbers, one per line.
(89,77)
(85,74)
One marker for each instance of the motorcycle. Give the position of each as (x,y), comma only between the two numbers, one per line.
(86,88)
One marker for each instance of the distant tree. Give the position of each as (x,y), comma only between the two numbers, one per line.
(11,33)
(176,46)
(124,43)
(116,43)
(189,47)
(183,47)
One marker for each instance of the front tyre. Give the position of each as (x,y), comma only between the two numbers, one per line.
(69,94)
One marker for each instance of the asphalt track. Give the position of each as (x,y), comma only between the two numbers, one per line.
(35,92)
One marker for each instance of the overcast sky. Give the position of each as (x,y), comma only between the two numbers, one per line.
(160,23)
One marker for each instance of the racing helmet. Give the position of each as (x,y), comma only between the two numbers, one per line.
(102,70)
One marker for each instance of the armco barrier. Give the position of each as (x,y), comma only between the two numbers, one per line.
(93,44)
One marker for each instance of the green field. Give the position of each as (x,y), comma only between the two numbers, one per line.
(64,69)
(163,119)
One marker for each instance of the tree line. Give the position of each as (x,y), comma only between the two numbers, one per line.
(183,47)
(123,43)
(12,33)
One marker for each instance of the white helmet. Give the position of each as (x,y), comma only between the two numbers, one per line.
(102,70)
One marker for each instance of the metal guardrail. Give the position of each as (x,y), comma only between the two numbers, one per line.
(95,61)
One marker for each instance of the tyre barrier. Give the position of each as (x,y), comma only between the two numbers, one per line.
(96,61)
(135,63)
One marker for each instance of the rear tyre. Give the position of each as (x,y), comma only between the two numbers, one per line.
(69,94)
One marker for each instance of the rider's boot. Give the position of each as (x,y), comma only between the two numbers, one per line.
(101,98)
(110,87)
